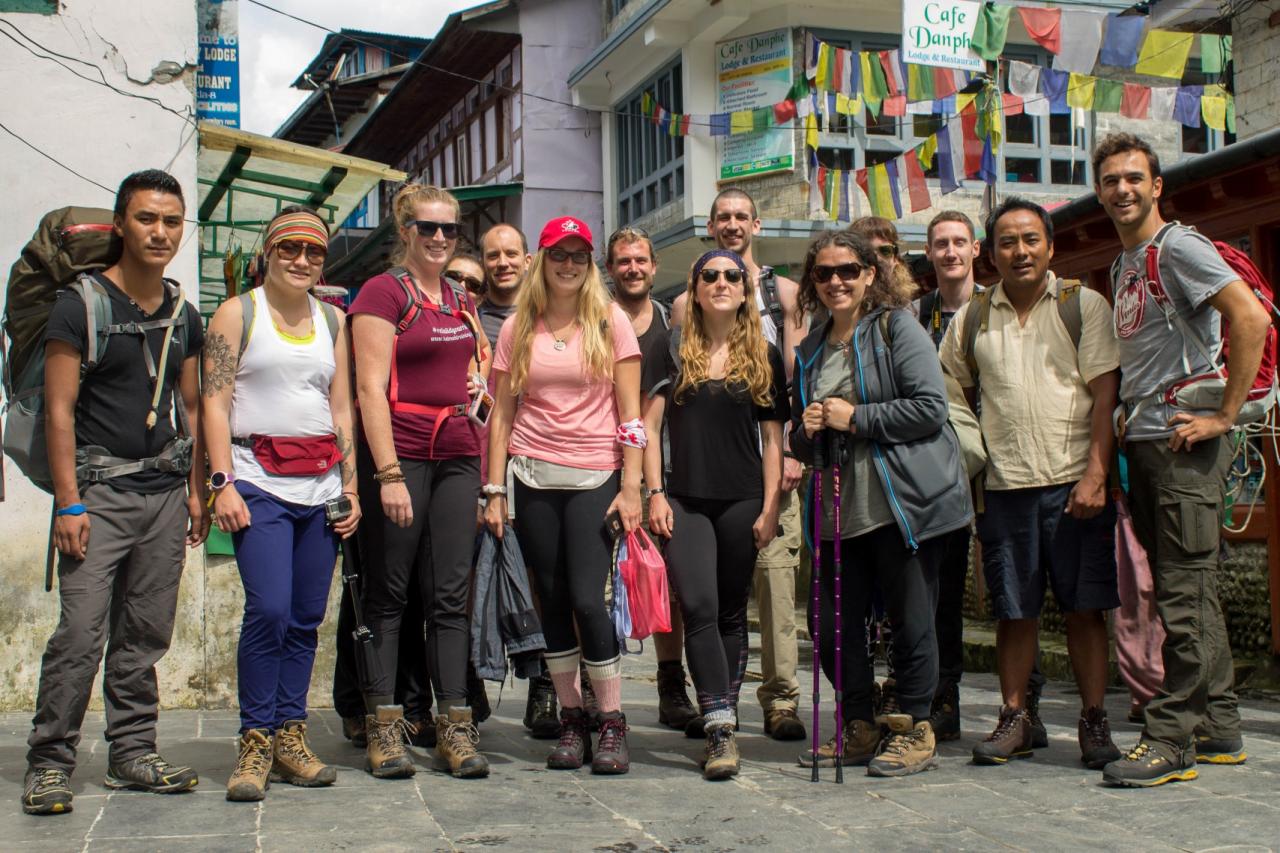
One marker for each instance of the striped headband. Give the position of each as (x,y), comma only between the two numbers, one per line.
(303,226)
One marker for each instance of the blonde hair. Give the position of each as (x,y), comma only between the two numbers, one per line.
(748,362)
(409,197)
(593,317)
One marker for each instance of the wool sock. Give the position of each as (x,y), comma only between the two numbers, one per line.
(606,680)
(563,667)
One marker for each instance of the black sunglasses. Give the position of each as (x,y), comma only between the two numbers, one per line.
(732,276)
(887,250)
(428,228)
(559,256)
(288,250)
(821,273)
(470,283)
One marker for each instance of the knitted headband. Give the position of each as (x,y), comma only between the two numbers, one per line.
(718,253)
(302,226)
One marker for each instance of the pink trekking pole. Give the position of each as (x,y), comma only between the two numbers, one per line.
(839,679)
(816,616)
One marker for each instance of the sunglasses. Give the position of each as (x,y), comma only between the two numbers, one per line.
(559,256)
(822,273)
(731,276)
(288,250)
(428,228)
(466,281)
(887,250)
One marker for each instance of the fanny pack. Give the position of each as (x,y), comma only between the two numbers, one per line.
(293,456)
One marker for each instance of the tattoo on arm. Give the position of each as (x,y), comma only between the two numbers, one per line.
(219,364)
(345,447)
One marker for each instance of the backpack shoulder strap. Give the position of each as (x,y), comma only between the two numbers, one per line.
(772,304)
(412,303)
(927,303)
(97,313)
(1154,250)
(662,312)
(974,324)
(330,313)
(886,333)
(1069,310)
(247,309)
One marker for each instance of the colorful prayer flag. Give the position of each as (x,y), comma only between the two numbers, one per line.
(1081,38)
(1044,26)
(1164,54)
(1215,53)
(740,122)
(784,111)
(1120,46)
(1107,95)
(950,143)
(991,30)
(1080,91)
(917,189)
(1136,101)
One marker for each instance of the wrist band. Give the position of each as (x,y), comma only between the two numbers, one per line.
(490,489)
(73,509)
(632,434)
(653,492)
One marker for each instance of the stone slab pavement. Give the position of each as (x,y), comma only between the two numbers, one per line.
(1048,803)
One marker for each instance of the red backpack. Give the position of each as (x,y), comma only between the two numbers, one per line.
(1204,391)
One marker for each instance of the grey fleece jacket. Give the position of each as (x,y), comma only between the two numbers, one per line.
(900,406)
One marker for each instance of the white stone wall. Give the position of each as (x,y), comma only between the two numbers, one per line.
(146,51)
(1257,61)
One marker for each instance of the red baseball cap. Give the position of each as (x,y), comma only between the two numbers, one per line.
(562,227)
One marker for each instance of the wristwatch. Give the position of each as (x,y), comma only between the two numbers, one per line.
(219,480)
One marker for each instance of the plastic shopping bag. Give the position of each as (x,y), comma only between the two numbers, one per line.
(644,574)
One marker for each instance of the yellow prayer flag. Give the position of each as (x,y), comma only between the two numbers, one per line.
(740,121)
(881,195)
(1164,54)
(963,101)
(855,106)
(926,151)
(1214,110)
(824,62)
(811,131)
(863,58)
(842,103)
(1080,91)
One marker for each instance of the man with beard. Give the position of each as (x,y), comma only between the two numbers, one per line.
(1169,327)
(632,264)
(733,225)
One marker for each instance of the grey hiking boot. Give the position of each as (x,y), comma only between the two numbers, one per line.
(1097,750)
(46,790)
(1152,763)
(1010,739)
(150,773)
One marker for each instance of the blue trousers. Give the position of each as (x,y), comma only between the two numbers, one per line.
(286,556)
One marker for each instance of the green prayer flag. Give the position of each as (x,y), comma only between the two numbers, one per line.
(1107,95)
(991,30)
(1215,53)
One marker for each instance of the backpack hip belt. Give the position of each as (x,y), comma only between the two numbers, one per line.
(95,464)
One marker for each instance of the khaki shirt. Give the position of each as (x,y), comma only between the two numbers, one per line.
(1036,402)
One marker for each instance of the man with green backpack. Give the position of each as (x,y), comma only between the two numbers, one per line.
(127,500)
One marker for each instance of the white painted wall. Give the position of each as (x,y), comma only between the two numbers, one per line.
(147,50)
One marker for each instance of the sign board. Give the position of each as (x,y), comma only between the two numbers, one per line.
(751,72)
(939,32)
(218,74)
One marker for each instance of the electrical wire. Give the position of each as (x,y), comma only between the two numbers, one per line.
(56,161)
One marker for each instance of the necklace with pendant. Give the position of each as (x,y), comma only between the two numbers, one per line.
(560,343)
(843,346)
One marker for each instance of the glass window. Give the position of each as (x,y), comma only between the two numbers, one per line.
(650,164)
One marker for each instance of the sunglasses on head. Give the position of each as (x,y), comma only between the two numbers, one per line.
(822,273)
(732,276)
(887,250)
(559,256)
(428,228)
(288,250)
(469,282)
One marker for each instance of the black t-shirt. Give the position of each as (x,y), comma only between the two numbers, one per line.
(715,432)
(115,397)
(654,340)
(491,319)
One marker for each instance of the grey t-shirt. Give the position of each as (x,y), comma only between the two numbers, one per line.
(863,507)
(1153,350)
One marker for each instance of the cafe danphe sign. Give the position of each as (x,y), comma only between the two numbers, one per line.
(751,72)
(940,32)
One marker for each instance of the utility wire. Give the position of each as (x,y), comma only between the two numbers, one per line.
(56,161)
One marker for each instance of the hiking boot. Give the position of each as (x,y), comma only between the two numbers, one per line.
(46,790)
(944,716)
(540,710)
(1151,763)
(861,741)
(456,740)
(387,732)
(1220,750)
(151,773)
(252,777)
(575,744)
(783,724)
(422,731)
(1039,735)
(353,730)
(721,758)
(294,762)
(1094,733)
(909,749)
(674,708)
(611,756)
(1011,739)
(590,704)
(477,698)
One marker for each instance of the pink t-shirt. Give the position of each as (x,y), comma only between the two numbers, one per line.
(562,416)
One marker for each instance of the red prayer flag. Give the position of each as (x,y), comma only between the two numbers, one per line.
(784,111)
(916,186)
(886,62)
(1012,104)
(1136,102)
(895,105)
(837,64)
(861,177)
(944,83)
(972,144)
(1044,26)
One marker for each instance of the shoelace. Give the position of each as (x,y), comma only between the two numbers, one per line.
(393,735)
(1138,752)
(255,757)
(295,746)
(153,761)
(718,747)
(612,733)
(1002,728)
(464,737)
(903,741)
(1096,730)
(49,777)
(571,734)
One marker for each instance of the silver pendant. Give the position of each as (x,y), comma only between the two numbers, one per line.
(559,345)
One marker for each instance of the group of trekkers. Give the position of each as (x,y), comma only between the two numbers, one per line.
(514,393)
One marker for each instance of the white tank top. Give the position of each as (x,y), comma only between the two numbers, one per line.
(282,388)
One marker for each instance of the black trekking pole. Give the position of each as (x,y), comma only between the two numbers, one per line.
(366,656)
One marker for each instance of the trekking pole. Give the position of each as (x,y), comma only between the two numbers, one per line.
(814,609)
(839,679)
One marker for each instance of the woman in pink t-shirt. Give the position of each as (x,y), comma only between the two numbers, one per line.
(567,414)
(417,351)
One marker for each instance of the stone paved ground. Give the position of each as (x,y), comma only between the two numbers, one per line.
(1049,803)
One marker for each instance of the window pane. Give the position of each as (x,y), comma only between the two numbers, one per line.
(1061,172)
(926,126)
(1195,140)
(882,126)
(873,158)
(1060,131)
(837,158)
(1023,170)
(1020,129)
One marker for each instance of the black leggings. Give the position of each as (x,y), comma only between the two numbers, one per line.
(909,583)
(710,560)
(437,547)
(568,548)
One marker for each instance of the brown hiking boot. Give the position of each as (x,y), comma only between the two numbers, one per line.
(575,744)
(1011,739)
(353,730)
(783,724)
(251,778)
(456,740)
(295,763)
(721,759)
(909,749)
(1097,750)
(674,708)
(612,757)
(861,740)
(422,731)
(387,732)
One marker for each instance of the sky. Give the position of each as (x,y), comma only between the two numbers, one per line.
(274,49)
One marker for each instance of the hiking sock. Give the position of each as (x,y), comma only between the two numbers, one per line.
(563,668)
(606,680)
(371,702)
